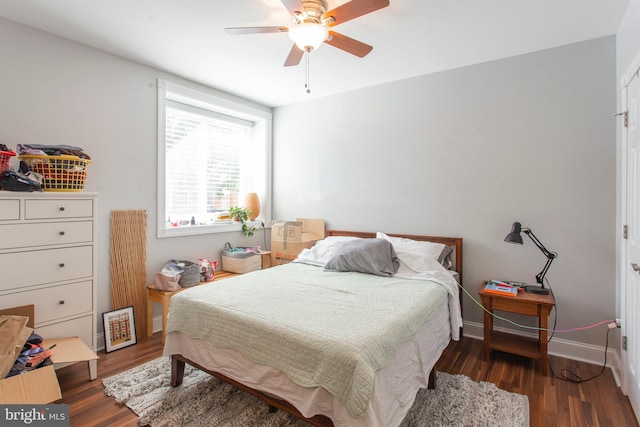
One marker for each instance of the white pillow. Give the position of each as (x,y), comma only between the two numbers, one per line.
(322,252)
(419,255)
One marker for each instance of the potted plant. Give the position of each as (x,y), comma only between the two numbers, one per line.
(242,215)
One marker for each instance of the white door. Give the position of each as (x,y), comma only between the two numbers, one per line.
(631,269)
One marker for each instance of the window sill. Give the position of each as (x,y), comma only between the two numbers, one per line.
(191,230)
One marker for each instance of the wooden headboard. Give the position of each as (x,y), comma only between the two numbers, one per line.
(455,242)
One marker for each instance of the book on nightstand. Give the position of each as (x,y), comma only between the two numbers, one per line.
(501,288)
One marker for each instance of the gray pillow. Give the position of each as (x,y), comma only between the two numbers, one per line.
(372,256)
(445,257)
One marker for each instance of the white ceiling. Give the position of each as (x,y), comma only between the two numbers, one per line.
(410,38)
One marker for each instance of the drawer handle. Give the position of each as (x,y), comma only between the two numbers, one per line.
(61,302)
(61,264)
(61,208)
(62,233)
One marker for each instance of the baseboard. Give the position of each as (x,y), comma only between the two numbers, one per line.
(573,350)
(100,341)
(157,324)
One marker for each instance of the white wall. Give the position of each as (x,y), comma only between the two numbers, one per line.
(628,36)
(425,156)
(466,153)
(55,91)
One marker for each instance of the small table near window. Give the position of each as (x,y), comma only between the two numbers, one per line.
(164,297)
(524,303)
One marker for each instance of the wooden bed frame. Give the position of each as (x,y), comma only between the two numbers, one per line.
(178,361)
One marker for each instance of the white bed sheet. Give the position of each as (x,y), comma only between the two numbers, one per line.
(395,385)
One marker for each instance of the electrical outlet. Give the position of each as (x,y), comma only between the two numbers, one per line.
(619,323)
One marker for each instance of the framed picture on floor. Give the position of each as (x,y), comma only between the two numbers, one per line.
(119,329)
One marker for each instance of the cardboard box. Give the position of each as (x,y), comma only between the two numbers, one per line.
(37,387)
(242,265)
(266,259)
(289,238)
(40,386)
(13,334)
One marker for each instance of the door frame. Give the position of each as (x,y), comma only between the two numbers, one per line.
(626,78)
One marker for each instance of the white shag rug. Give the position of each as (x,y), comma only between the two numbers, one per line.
(203,400)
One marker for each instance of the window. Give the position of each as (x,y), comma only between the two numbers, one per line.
(212,151)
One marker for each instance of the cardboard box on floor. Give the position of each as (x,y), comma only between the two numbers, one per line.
(39,386)
(289,238)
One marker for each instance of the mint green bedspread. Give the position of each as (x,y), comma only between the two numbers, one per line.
(320,328)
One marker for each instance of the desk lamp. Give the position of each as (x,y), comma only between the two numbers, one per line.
(515,237)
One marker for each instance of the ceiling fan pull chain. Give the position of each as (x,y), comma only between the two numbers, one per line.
(306,84)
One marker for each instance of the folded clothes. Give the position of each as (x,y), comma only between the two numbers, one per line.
(23,179)
(25,149)
(251,249)
(51,150)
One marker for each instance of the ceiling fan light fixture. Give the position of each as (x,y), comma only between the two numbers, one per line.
(308,36)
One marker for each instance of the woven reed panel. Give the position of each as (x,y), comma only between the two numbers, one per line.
(129,264)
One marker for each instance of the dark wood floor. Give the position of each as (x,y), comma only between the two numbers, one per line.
(553,402)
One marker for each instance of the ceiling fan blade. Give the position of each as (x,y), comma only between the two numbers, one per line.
(255,30)
(352,9)
(348,44)
(294,7)
(295,55)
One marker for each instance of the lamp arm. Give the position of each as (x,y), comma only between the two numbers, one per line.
(540,276)
(545,251)
(550,256)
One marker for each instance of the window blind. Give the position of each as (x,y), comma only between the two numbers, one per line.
(204,151)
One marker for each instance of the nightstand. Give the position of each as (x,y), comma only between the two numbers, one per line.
(524,303)
(164,298)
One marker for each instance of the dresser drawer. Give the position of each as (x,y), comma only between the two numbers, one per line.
(58,208)
(82,327)
(41,234)
(9,210)
(29,268)
(55,302)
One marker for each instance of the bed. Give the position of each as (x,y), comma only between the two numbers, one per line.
(345,336)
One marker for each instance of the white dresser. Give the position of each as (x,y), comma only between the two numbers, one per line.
(48,258)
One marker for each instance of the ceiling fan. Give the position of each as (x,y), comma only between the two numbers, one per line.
(311,23)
